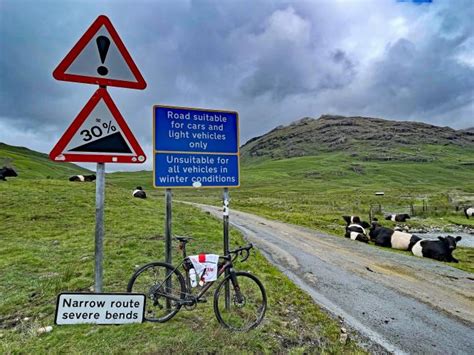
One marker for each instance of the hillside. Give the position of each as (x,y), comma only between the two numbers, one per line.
(364,137)
(31,164)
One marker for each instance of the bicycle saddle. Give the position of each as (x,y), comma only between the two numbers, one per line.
(183,239)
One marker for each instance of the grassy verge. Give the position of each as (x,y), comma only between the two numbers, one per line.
(48,247)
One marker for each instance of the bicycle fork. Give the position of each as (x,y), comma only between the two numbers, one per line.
(238,297)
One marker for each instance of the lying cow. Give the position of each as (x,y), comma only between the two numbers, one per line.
(355,219)
(82,178)
(441,249)
(397,217)
(7,172)
(469,212)
(139,193)
(356,232)
(386,237)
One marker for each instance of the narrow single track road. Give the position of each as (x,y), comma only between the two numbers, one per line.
(403,303)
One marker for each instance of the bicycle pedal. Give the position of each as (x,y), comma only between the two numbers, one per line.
(202,300)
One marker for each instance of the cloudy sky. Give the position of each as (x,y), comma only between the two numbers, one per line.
(272,61)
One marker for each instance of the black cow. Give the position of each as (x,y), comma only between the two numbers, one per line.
(356,220)
(139,193)
(356,232)
(397,217)
(82,178)
(386,237)
(441,249)
(7,172)
(469,212)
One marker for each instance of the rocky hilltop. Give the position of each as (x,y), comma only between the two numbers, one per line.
(357,135)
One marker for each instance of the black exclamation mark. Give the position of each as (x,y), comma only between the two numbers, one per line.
(103,44)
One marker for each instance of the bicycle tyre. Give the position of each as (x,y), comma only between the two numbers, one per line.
(252,290)
(146,280)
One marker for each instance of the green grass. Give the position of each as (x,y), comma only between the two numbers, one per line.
(48,228)
(48,247)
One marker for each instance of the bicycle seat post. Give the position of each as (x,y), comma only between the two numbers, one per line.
(183,248)
(182,244)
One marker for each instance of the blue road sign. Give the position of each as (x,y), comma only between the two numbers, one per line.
(181,129)
(195,147)
(196,170)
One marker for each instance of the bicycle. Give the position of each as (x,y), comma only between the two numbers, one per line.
(167,290)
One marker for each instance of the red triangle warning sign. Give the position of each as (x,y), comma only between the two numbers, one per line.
(98,134)
(100,57)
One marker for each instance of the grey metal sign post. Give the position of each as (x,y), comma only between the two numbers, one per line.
(225,217)
(99,226)
(168,256)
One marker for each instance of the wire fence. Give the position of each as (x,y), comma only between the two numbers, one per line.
(422,210)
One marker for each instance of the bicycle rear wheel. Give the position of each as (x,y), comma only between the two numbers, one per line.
(247,305)
(163,294)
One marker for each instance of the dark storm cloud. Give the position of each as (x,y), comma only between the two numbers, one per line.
(414,80)
(424,80)
(291,61)
(273,61)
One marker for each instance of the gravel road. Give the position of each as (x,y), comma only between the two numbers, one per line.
(402,303)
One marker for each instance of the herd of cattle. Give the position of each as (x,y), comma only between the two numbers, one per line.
(138,192)
(441,249)
(356,229)
(9,172)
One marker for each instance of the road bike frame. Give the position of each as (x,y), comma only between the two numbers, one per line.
(227,265)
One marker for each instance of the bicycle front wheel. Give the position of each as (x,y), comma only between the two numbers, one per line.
(163,287)
(247,304)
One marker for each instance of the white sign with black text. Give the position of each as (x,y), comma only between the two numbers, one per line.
(99,308)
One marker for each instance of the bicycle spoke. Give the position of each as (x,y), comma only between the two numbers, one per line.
(247,305)
(163,288)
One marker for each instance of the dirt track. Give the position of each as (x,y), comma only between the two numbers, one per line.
(404,303)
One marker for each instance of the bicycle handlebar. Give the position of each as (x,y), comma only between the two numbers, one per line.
(241,251)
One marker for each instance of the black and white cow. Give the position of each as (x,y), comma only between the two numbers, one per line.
(7,172)
(82,178)
(469,212)
(355,220)
(139,193)
(441,249)
(386,237)
(397,217)
(356,232)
